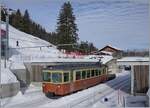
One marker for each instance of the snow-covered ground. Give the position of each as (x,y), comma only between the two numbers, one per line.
(29,46)
(6,75)
(90,97)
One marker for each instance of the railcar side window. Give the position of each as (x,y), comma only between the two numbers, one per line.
(92,73)
(56,77)
(46,76)
(78,75)
(99,72)
(88,73)
(83,74)
(96,72)
(103,71)
(66,77)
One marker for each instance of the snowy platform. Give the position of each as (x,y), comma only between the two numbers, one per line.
(136,101)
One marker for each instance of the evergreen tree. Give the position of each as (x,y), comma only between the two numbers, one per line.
(17,21)
(26,22)
(86,47)
(92,48)
(11,17)
(66,27)
(3,15)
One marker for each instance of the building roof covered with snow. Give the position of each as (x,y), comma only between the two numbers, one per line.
(134,61)
(107,50)
(110,48)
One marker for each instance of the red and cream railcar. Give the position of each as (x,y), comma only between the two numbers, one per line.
(65,81)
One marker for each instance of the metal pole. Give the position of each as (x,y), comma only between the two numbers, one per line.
(7,35)
(132,80)
(6,42)
(0,51)
(149,57)
(0,43)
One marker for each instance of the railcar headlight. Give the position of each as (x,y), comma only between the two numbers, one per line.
(58,86)
(43,85)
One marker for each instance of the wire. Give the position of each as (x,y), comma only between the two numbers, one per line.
(32,47)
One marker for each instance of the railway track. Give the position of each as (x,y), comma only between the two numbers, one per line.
(96,96)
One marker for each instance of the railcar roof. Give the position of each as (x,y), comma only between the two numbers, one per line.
(67,68)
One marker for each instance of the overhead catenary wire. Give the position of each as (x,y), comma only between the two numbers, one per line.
(38,42)
(43,46)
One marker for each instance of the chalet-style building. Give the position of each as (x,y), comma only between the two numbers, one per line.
(107,50)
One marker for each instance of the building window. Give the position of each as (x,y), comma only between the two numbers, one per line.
(78,75)
(66,77)
(83,74)
(88,74)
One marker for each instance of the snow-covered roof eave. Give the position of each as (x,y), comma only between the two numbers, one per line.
(118,49)
(133,61)
(60,60)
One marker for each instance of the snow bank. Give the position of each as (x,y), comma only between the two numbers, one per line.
(6,75)
(29,46)
(136,101)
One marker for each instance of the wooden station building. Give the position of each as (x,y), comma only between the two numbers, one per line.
(139,73)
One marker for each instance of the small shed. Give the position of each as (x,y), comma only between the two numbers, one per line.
(139,73)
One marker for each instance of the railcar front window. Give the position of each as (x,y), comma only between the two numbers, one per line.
(46,76)
(56,77)
(66,77)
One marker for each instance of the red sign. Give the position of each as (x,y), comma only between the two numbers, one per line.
(3,33)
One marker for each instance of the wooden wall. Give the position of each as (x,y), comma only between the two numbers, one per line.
(141,75)
(37,73)
(109,49)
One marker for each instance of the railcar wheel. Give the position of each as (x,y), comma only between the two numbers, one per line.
(49,94)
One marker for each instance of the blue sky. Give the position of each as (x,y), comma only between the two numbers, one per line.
(121,23)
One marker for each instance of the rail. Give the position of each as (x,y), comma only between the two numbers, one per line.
(104,91)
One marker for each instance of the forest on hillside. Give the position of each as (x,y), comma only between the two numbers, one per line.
(65,36)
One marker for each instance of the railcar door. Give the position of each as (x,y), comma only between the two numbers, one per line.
(71,81)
